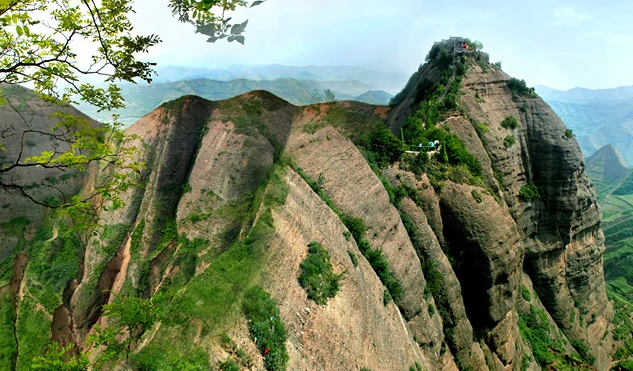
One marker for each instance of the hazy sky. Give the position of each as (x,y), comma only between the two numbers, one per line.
(561,44)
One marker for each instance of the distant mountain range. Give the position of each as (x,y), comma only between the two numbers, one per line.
(614,185)
(577,95)
(376,80)
(299,85)
(143,98)
(597,117)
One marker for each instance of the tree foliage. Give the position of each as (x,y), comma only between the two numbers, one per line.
(520,88)
(324,97)
(129,316)
(58,358)
(529,192)
(39,45)
(510,122)
(210,17)
(53,46)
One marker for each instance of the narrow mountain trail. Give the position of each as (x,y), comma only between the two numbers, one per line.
(450,81)
(453,68)
(55,233)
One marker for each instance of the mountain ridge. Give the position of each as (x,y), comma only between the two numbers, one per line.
(142,99)
(584,94)
(485,253)
(373,78)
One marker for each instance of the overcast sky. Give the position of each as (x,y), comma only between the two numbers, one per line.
(561,44)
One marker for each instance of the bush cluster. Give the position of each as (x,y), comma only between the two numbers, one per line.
(569,134)
(481,129)
(375,257)
(529,192)
(583,349)
(534,328)
(520,88)
(265,325)
(386,147)
(317,276)
(510,122)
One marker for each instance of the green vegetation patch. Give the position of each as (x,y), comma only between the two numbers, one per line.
(525,293)
(317,276)
(277,189)
(546,343)
(59,358)
(8,346)
(529,193)
(15,227)
(510,122)
(622,328)
(420,129)
(386,297)
(186,258)
(266,327)
(583,349)
(623,366)
(520,88)
(137,237)
(509,141)
(353,258)
(229,365)
(626,187)
(375,257)
(384,146)
(481,129)
(54,262)
(211,295)
(154,357)
(33,332)
(568,134)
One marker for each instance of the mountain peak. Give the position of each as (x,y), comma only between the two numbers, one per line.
(606,165)
(609,154)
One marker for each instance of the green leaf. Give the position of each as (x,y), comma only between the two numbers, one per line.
(238,28)
(18,29)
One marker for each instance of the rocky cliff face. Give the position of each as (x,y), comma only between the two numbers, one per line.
(500,270)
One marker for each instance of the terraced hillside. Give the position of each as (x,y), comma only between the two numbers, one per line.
(614,186)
